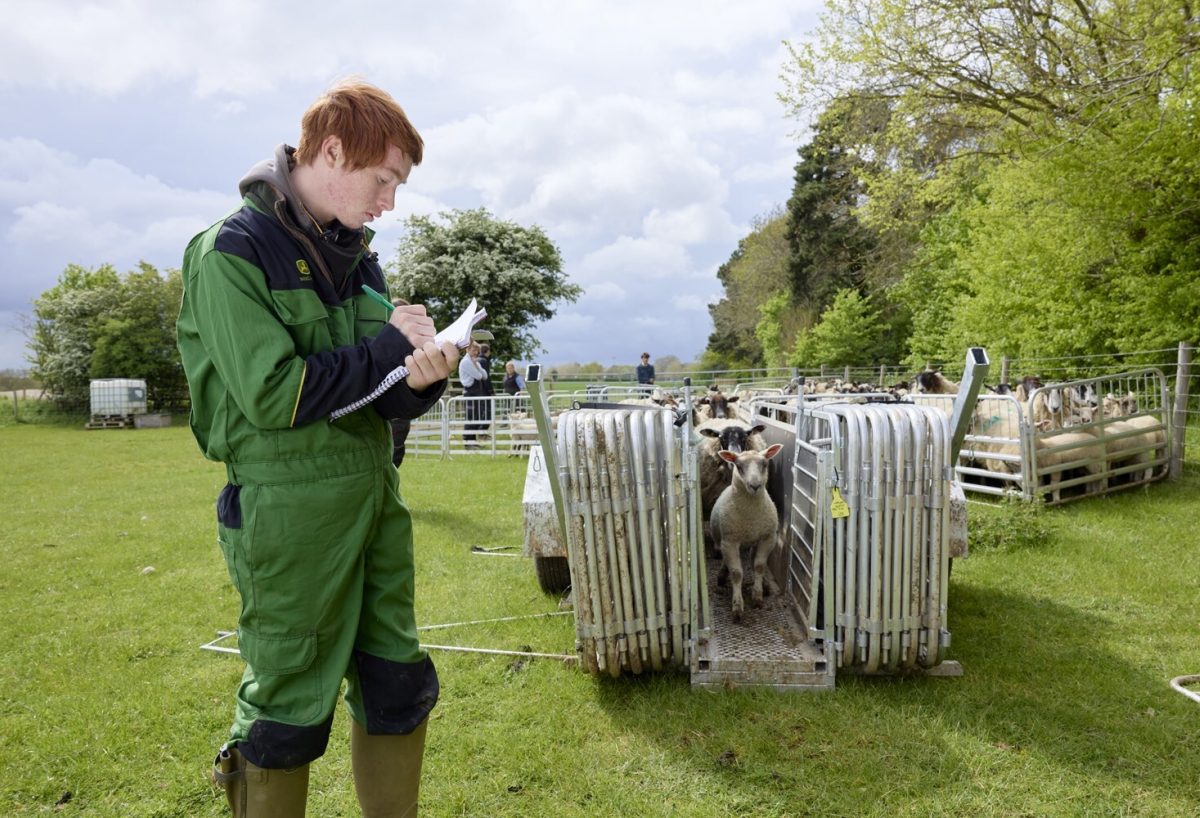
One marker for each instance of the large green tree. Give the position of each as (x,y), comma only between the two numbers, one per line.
(830,248)
(515,272)
(96,323)
(756,270)
(1037,158)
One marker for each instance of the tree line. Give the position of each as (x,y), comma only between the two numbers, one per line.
(98,323)
(1019,175)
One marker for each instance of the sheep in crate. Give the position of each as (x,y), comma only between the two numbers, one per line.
(745,517)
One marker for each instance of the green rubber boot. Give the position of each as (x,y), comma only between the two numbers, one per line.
(254,792)
(387,771)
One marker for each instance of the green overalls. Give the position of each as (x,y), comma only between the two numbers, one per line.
(316,537)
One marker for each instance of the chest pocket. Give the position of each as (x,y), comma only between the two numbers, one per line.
(306,318)
(369,317)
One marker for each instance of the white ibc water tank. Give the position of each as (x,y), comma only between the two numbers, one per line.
(118,396)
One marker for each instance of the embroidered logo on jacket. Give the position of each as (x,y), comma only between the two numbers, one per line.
(302,267)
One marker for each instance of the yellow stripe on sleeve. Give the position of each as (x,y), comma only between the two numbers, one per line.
(299,392)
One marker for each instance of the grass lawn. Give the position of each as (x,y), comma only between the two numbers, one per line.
(1069,623)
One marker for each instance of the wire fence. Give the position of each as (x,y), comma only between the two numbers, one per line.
(34,405)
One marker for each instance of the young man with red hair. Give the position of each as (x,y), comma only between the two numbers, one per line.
(277,335)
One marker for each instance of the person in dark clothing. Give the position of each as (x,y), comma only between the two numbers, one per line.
(400,430)
(645,371)
(485,363)
(513,382)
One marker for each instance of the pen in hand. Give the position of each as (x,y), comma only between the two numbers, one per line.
(379,297)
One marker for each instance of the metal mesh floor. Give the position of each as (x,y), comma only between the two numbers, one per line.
(768,648)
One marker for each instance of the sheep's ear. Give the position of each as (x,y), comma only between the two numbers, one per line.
(732,400)
(702,401)
(709,432)
(773,450)
(758,427)
(725,454)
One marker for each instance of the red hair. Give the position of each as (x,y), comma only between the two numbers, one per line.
(365,118)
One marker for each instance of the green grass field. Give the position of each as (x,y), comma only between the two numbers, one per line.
(1069,623)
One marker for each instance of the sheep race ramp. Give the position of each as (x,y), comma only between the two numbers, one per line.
(864,503)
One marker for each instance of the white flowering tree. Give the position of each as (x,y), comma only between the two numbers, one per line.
(514,271)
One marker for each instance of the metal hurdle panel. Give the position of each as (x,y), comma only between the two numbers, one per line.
(630,536)
(1005,452)
(427,434)
(1076,467)
(995,454)
(872,526)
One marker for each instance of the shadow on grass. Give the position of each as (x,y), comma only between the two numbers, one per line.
(1040,695)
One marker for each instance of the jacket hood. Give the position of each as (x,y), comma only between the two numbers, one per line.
(271,180)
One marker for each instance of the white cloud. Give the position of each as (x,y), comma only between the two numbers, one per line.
(642,137)
(606,291)
(690,224)
(689,303)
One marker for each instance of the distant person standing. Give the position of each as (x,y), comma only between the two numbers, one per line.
(513,382)
(645,371)
(485,362)
(474,380)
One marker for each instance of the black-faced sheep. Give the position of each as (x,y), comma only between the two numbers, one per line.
(934,383)
(745,517)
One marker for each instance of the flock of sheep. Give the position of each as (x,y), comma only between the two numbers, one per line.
(1077,435)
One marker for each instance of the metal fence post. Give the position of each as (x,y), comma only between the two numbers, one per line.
(1004,369)
(1179,419)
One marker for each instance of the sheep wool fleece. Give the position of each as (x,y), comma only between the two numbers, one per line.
(275,334)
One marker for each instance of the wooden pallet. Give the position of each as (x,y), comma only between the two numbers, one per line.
(110,422)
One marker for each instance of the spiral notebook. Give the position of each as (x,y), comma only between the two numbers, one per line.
(459,333)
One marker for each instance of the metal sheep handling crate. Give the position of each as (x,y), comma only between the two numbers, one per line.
(865,503)
(1006,453)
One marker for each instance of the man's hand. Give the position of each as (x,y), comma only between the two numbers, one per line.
(428,364)
(415,324)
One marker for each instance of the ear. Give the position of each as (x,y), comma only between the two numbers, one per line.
(708,432)
(727,455)
(773,450)
(732,400)
(702,401)
(758,427)
(333,153)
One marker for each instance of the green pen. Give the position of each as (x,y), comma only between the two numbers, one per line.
(378,296)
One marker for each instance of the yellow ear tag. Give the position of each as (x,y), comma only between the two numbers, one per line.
(839,507)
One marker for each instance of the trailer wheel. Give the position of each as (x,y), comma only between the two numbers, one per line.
(553,574)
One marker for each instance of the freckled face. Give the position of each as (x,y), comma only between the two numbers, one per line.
(364,194)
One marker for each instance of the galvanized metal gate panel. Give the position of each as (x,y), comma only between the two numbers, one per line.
(882,558)
(1080,446)
(629,538)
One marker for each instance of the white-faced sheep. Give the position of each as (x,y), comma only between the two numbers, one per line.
(1133,441)
(1057,450)
(997,420)
(730,435)
(745,517)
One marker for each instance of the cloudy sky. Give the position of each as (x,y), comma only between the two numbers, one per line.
(643,137)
